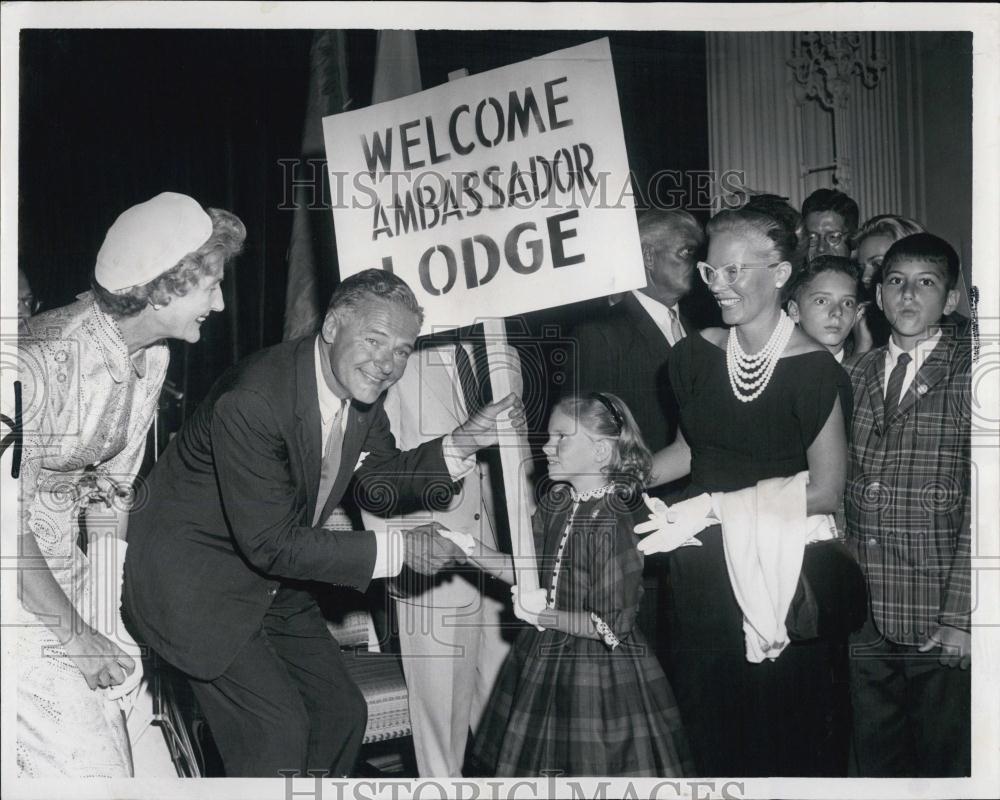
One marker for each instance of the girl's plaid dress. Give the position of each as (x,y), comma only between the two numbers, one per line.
(573,705)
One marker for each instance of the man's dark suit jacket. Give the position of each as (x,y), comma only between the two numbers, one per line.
(226,513)
(623,352)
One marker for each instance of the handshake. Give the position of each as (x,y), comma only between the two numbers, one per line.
(430,548)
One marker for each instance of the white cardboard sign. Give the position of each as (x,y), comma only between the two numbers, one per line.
(493,195)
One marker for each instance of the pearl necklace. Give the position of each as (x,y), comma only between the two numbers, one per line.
(749,375)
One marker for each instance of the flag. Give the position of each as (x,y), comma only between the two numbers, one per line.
(397,69)
(312,248)
(397,73)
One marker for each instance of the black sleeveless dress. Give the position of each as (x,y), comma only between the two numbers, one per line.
(743,719)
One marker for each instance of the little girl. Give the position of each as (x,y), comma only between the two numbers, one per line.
(581,693)
(823,301)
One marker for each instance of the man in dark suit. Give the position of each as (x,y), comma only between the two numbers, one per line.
(229,535)
(625,350)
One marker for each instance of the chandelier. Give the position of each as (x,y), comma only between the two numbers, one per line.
(823,64)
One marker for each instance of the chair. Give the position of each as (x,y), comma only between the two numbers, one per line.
(378,674)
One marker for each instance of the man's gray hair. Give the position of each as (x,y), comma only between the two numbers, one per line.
(374,283)
(657,227)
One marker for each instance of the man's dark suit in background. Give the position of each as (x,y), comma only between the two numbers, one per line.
(623,352)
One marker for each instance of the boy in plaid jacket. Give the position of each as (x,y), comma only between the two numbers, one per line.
(907,506)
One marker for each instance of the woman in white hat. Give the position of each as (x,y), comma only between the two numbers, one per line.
(91,374)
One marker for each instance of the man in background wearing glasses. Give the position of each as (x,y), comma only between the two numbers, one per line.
(831,220)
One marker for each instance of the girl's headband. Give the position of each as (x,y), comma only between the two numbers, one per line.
(614,412)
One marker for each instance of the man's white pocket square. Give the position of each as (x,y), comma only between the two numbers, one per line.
(361,460)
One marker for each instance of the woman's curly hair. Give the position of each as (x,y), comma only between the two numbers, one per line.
(225,243)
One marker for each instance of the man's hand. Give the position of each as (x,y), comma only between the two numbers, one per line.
(670,527)
(955,644)
(529,606)
(102,662)
(480,430)
(427,551)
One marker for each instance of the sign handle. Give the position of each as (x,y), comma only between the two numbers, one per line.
(515,455)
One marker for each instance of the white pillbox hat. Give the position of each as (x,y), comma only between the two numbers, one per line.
(149,239)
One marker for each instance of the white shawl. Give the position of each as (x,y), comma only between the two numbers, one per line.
(764,533)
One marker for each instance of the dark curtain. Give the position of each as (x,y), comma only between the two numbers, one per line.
(110,118)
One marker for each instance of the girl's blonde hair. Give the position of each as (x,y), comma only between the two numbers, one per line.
(607,415)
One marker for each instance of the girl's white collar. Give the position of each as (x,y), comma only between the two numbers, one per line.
(590,494)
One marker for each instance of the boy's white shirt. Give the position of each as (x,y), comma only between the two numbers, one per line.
(919,355)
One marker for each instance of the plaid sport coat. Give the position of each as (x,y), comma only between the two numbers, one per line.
(907,497)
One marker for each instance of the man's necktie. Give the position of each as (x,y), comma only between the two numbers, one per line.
(895,387)
(467,377)
(331,462)
(676,331)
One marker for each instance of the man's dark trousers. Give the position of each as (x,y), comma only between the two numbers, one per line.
(286,702)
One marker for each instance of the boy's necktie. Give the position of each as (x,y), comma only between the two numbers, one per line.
(331,462)
(895,387)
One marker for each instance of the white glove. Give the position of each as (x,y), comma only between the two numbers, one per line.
(528,604)
(670,527)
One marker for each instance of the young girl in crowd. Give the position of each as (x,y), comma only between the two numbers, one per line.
(823,302)
(581,692)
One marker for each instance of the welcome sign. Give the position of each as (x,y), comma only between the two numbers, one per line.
(493,195)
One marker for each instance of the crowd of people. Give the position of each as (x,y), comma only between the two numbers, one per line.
(801,473)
